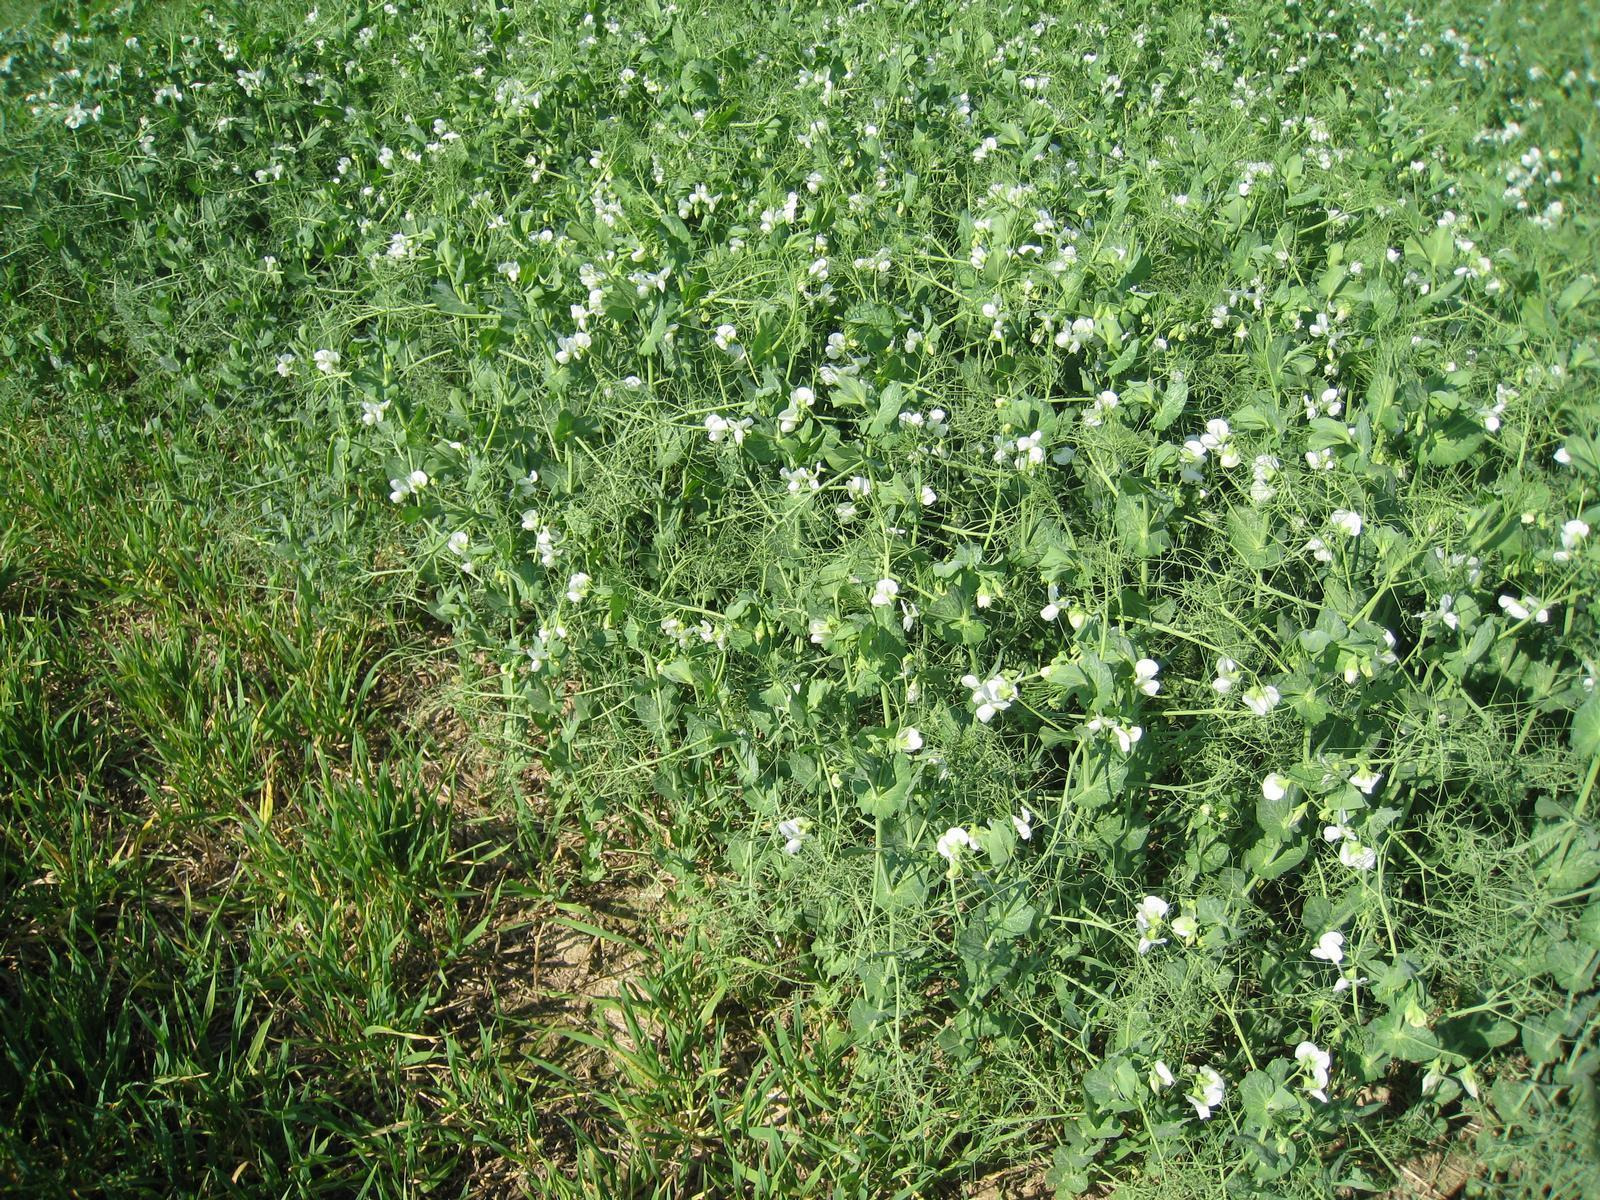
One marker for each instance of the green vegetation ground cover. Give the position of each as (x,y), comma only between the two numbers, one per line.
(1025,576)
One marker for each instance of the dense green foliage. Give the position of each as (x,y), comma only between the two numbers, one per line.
(1055,544)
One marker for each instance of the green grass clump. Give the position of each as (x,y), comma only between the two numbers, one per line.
(799,600)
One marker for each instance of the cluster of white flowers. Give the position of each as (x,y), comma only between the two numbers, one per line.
(1144,676)
(1206,1093)
(545,645)
(1216,440)
(684,635)
(1024,453)
(990,696)
(1315,1064)
(1329,402)
(1573,534)
(718,427)
(408,485)
(544,537)
(801,400)
(794,831)
(1352,853)
(1523,609)
(1095,414)
(573,346)
(1261,699)
(798,479)
(1264,469)
(698,203)
(1148,918)
(1126,736)
(950,845)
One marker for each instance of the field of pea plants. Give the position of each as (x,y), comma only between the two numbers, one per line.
(780,598)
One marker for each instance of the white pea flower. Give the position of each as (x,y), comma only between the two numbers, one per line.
(1030,451)
(908,615)
(1023,824)
(800,401)
(950,845)
(795,830)
(458,542)
(577,587)
(858,485)
(1185,928)
(990,696)
(1572,535)
(1349,979)
(928,496)
(1356,856)
(1227,676)
(1319,550)
(798,478)
(1320,460)
(327,361)
(1445,614)
(1274,787)
(1152,911)
(1346,522)
(1144,676)
(1525,608)
(726,337)
(1365,780)
(285,366)
(908,740)
(373,412)
(1126,736)
(1161,1077)
(1206,1093)
(1052,608)
(820,630)
(1329,947)
(1315,1062)
(1263,470)
(884,592)
(718,427)
(1262,699)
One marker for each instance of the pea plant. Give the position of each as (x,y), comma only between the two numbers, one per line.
(1068,532)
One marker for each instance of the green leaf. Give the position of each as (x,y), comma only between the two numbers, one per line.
(1541,1039)
(1172,402)
(885,797)
(889,407)
(1451,441)
(1586,728)
(1391,1035)
(1571,964)
(1140,526)
(1269,858)
(1251,537)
